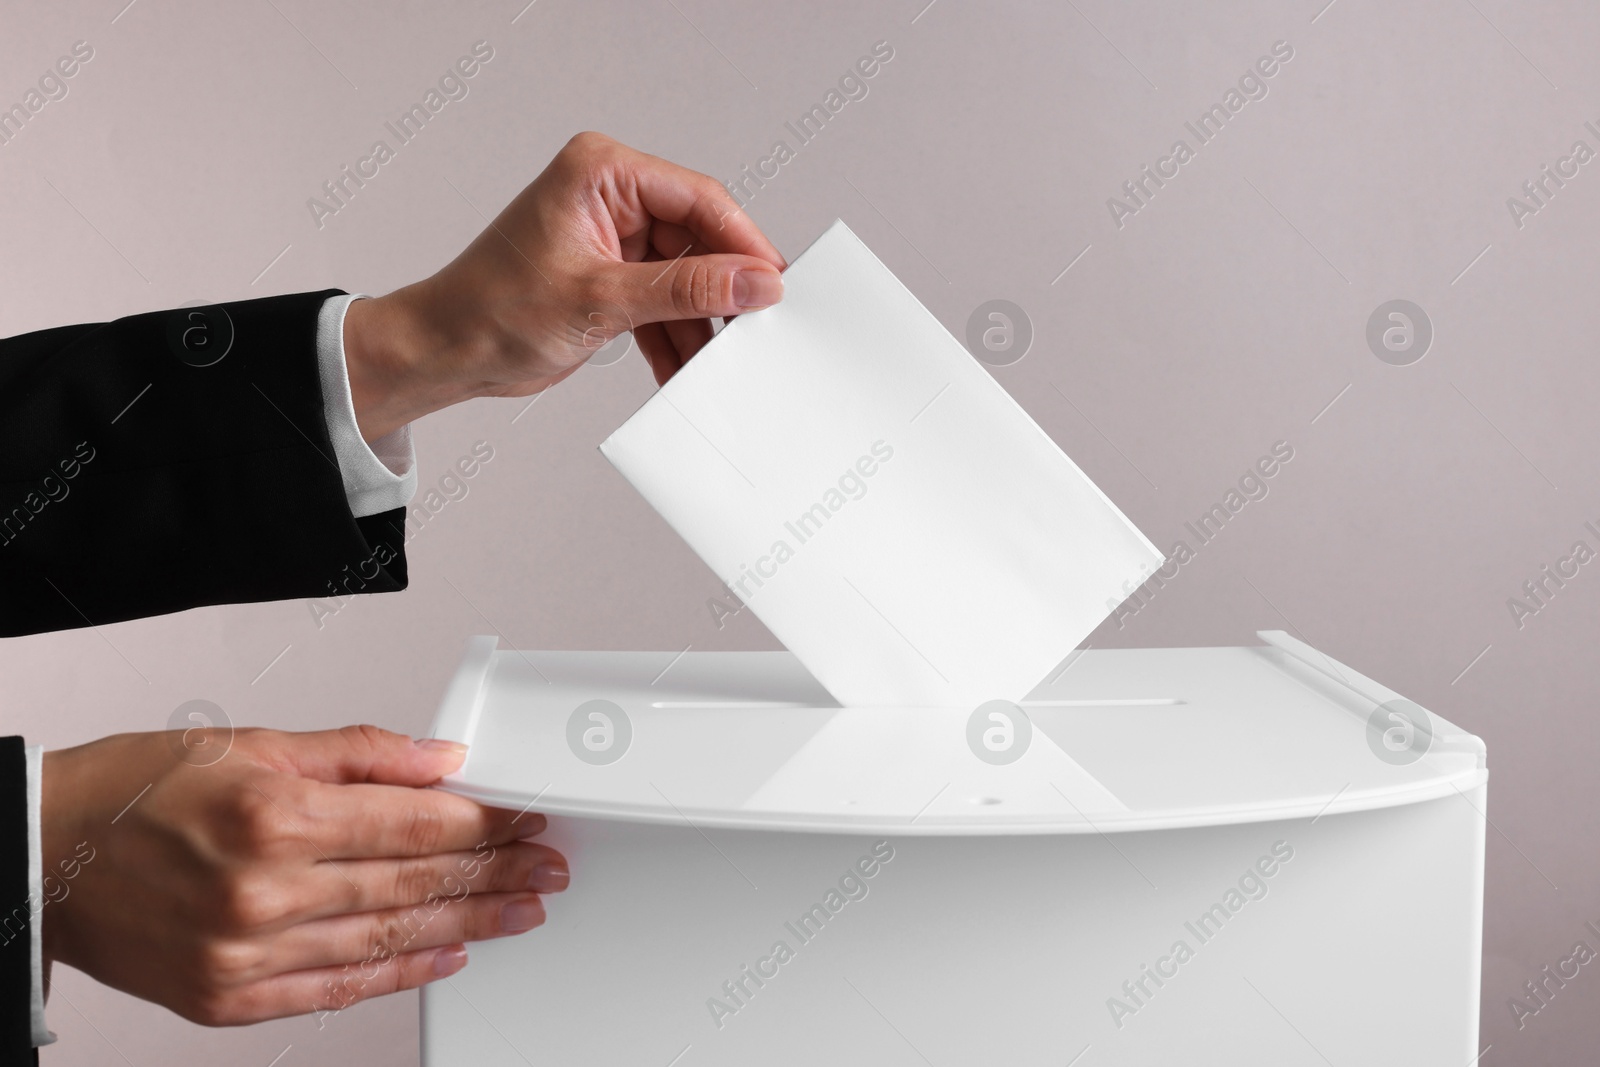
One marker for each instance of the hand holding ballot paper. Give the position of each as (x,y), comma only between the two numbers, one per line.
(960,572)
(606,240)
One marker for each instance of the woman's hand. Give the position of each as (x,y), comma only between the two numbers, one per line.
(607,239)
(299,872)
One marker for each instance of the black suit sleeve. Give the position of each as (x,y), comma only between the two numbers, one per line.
(16,929)
(175,459)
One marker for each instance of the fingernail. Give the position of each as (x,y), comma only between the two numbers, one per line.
(441,745)
(448,961)
(549,878)
(757,288)
(520,915)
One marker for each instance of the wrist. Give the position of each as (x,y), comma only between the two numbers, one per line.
(400,365)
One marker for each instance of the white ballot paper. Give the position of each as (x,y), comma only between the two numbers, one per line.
(864,486)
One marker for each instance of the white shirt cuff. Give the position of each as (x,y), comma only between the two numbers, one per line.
(379,477)
(36,901)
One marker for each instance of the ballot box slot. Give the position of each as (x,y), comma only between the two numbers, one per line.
(681,705)
(1109,702)
(1122,702)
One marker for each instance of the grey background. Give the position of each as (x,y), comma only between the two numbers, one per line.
(1225,316)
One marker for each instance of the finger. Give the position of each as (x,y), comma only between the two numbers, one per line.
(670,242)
(384,821)
(655,344)
(688,336)
(362,754)
(658,349)
(690,287)
(676,194)
(355,886)
(331,989)
(374,936)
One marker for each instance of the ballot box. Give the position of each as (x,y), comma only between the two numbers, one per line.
(1236,856)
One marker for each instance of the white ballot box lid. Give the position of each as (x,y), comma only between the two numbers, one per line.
(1114,740)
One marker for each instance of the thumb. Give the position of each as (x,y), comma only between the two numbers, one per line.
(368,754)
(691,287)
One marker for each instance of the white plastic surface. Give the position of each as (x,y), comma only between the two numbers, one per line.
(1362,950)
(1123,739)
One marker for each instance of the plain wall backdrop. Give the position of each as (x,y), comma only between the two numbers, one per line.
(1226,314)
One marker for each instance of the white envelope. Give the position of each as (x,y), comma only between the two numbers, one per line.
(872,494)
